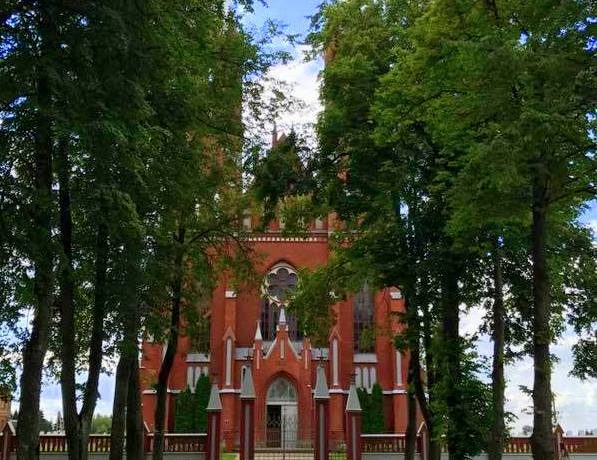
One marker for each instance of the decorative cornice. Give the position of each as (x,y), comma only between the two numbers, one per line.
(287,239)
(370,358)
(229,390)
(395,392)
(198,358)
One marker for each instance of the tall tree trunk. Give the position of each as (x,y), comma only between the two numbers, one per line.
(425,396)
(128,352)
(123,373)
(166,367)
(134,417)
(42,253)
(451,361)
(413,368)
(496,442)
(410,449)
(68,349)
(542,437)
(95,357)
(77,426)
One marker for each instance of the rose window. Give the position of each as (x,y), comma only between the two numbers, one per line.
(278,283)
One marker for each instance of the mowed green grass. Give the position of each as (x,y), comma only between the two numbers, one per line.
(228,456)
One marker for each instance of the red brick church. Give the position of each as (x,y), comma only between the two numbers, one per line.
(252,330)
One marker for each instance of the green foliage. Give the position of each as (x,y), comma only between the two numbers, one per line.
(190,414)
(280,174)
(475,394)
(372,406)
(432,149)
(185,415)
(45,425)
(138,107)
(101,424)
(202,391)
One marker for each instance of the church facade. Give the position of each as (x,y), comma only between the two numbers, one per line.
(250,330)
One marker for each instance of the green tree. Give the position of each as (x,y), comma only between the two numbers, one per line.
(185,414)
(483,78)
(101,424)
(372,409)
(45,425)
(29,50)
(202,392)
(191,413)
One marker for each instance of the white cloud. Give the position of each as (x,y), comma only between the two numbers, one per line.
(299,84)
(575,400)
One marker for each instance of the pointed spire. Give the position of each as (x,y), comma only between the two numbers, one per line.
(247,389)
(282,318)
(258,336)
(321,385)
(215,403)
(353,404)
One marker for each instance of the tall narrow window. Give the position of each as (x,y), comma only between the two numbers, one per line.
(363,321)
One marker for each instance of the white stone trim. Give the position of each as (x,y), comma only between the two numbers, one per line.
(394,392)
(271,348)
(338,391)
(372,376)
(365,358)
(198,358)
(335,366)
(242,353)
(229,390)
(396,295)
(398,368)
(191,377)
(231,294)
(269,239)
(229,361)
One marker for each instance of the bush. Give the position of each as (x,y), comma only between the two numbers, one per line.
(372,410)
(190,414)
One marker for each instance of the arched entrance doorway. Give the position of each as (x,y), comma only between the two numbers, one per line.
(282,414)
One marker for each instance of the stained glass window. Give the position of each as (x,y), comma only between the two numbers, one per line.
(281,390)
(280,280)
(363,320)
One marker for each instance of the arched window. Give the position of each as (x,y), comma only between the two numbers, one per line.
(281,391)
(279,281)
(363,320)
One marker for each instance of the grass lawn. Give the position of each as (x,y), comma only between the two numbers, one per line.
(228,456)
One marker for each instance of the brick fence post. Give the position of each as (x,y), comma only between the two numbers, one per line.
(247,414)
(322,417)
(214,419)
(353,424)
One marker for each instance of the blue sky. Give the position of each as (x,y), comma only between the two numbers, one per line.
(576,401)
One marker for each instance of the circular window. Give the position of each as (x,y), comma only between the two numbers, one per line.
(280,280)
